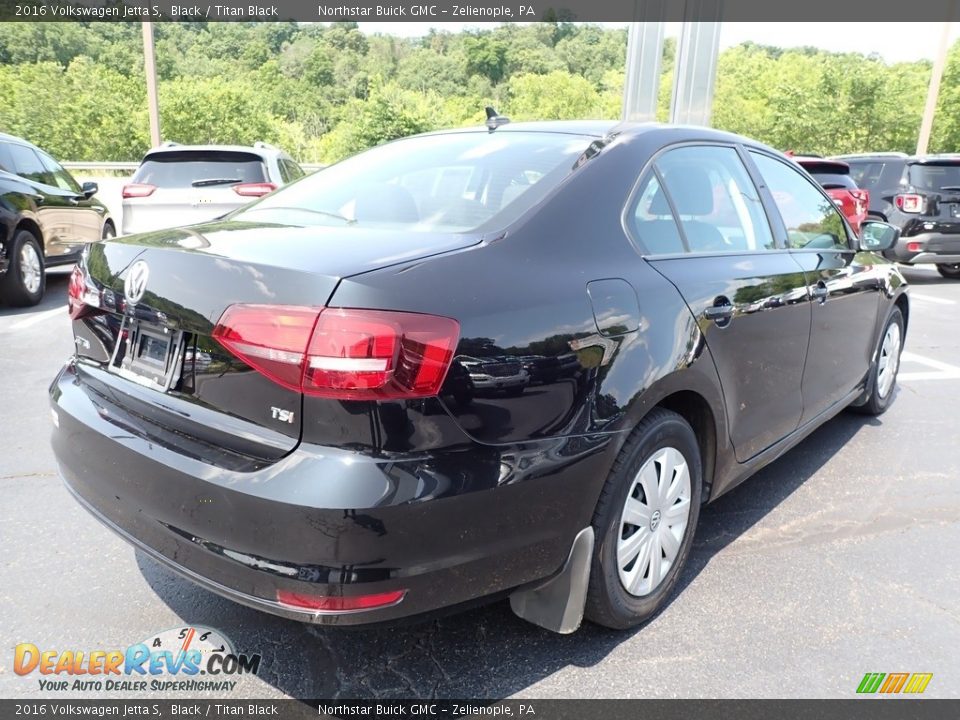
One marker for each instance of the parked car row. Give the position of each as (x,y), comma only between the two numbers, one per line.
(921,196)
(47,217)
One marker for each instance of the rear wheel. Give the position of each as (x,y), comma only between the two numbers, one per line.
(886,368)
(645,521)
(25,279)
(951,271)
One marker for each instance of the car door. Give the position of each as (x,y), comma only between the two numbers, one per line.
(700,222)
(845,284)
(86,215)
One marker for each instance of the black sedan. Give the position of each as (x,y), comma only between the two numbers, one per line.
(264,403)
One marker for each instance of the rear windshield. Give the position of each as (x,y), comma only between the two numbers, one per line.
(200,168)
(935,176)
(831,181)
(457,182)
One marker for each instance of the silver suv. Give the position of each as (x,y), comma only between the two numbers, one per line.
(188,184)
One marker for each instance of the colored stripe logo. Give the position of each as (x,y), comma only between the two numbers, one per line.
(892,683)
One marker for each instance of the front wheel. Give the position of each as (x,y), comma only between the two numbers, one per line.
(645,521)
(951,271)
(25,279)
(885,370)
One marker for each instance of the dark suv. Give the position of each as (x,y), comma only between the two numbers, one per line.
(46,219)
(921,196)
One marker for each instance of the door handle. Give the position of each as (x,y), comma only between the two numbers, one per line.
(719,312)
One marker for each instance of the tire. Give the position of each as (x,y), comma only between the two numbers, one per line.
(949,271)
(25,280)
(109,231)
(882,387)
(660,437)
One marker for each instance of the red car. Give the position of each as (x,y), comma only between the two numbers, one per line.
(834,176)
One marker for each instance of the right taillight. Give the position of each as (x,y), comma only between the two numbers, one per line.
(345,354)
(138,190)
(909,203)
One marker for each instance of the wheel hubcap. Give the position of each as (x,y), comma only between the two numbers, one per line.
(30,268)
(653,522)
(889,361)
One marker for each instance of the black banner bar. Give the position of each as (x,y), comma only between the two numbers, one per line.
(873,708)
(470,11)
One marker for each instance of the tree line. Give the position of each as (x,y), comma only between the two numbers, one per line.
(323,92)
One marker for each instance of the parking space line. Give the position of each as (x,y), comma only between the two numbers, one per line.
(38,318)
(930,298)
(941,370)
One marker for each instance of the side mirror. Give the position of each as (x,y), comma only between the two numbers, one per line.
(89,189)
(876,236)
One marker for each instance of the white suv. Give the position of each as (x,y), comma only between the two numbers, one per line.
(188,184)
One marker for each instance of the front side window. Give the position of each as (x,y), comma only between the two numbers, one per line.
(717,205)
(61,178)
(456,182)
(27,164)
(811,218)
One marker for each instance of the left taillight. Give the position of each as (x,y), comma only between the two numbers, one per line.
(80,297)
(344,354)
(254,189)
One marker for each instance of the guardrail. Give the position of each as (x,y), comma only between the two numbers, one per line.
(130,167)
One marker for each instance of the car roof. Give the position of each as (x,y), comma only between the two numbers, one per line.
(13,138)
(261,149)
(822,165)
(871,156)
(603,128)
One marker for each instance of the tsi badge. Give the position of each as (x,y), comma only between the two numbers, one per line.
(282,415)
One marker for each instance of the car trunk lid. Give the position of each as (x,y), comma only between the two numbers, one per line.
(145,331)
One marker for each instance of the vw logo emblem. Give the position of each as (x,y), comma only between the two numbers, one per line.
(135,284)
(654,520)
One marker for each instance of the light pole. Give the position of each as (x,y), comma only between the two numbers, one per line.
(150,68)
(933,91)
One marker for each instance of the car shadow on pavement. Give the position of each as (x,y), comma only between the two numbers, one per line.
(482,653)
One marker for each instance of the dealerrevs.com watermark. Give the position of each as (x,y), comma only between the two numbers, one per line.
(184,660)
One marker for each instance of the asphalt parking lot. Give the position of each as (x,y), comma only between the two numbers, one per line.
(841,558)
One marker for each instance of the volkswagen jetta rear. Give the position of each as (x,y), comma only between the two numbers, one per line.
(228,413)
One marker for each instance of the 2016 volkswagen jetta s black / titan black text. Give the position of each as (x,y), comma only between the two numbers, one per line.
(276,404)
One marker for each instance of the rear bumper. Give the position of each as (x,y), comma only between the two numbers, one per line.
(323,521)
(928,248)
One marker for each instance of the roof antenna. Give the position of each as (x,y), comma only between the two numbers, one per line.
(494,119)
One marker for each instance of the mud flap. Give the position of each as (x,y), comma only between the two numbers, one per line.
(558,604)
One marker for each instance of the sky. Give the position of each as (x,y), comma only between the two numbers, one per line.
(894,42)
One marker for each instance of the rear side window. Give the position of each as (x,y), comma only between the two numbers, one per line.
(289,170)
(811,218)
(716,203)
(26,164)
(867,174)
(456,182)
(830,181)
(935,176)
(200,168)
(652,221)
